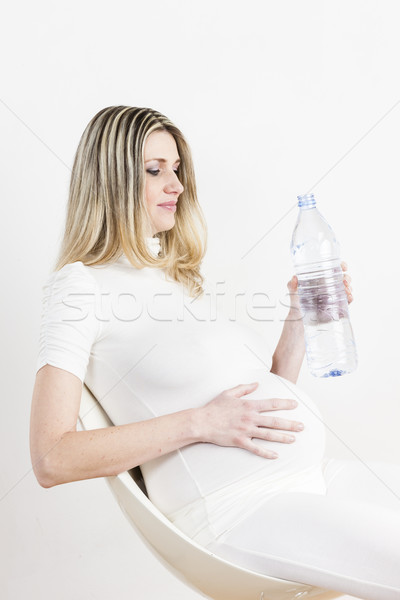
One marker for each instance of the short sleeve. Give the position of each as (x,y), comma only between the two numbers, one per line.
(69,324)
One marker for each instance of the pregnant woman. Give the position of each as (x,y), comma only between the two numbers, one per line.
(231,450)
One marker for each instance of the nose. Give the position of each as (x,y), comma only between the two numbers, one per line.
(174,186)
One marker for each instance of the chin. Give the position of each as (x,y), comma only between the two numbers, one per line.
(165,226)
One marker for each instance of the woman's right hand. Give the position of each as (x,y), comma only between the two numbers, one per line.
(230,420)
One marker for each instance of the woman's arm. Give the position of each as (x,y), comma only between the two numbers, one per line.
(289,353)
(60,454)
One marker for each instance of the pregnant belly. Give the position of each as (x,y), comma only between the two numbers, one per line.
(202,469)
(310,443)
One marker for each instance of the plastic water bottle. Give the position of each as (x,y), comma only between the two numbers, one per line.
(330,346)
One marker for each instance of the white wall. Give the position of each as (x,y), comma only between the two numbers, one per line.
(276,99)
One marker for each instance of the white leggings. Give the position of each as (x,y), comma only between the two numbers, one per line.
(347,540)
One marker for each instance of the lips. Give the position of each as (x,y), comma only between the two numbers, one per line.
(169,206)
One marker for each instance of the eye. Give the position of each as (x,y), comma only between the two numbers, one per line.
(156,171)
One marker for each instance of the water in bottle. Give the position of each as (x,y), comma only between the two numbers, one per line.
(330,346)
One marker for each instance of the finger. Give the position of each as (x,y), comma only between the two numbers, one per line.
(293,283)
(343,264)
(244,388)
(277,423)
(270,435)
(258,450)
(348,288)
(274,404)
(349,298)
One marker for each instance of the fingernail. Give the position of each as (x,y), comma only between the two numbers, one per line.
(300,426)
(274,455)
(294,403)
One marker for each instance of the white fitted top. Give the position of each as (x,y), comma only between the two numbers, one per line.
(145,348)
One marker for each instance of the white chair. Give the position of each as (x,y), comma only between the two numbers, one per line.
(193,564)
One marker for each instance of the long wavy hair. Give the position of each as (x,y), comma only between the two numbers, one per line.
(107,212)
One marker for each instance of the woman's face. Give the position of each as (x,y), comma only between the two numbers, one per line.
(161,161)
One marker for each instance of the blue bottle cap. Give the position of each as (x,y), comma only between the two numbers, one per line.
(307,201)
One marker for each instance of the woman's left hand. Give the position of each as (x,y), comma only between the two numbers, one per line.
(294,297)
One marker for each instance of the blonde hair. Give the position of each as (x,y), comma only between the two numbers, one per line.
(107,213)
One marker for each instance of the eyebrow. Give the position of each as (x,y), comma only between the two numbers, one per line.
(162,160)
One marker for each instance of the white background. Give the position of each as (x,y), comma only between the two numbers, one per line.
(275,99)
